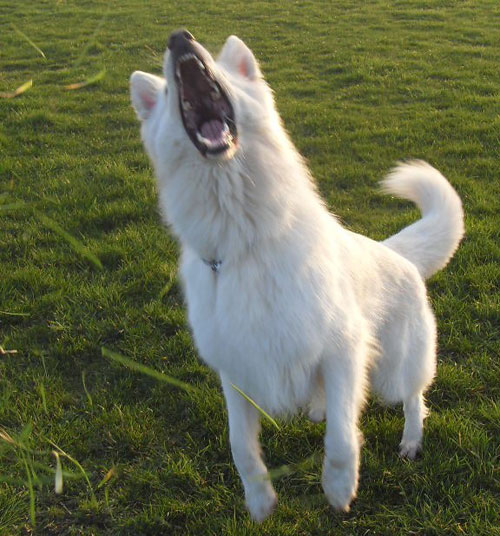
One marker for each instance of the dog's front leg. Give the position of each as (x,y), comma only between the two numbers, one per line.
(344,378)
(244,428)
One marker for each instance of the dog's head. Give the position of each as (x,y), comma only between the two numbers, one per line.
(201,108)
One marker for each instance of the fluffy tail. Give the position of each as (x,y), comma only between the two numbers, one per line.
(430,242)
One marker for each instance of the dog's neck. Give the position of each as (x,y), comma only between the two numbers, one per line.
(226,209)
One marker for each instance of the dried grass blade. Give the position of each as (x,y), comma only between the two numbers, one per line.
(92,80)
(72,241)
(110,474)
(10,313)
(58,480)
(256,406)
(77,463)
(148,371)
(289,469)
(92,39)
(26,38)
(19,91)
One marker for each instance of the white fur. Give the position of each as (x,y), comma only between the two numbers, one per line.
(302,312)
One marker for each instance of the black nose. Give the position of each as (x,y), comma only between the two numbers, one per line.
(179,39)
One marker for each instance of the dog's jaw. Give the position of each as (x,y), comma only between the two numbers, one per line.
(204,104)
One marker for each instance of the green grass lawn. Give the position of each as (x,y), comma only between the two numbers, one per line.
(85,264)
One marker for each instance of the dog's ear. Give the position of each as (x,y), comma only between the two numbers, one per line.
(144,90)
(235,56)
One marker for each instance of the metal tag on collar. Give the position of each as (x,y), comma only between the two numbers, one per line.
(213,264)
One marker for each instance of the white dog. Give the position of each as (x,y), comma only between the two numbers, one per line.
(284,302)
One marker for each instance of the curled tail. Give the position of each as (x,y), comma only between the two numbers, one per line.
(430,242)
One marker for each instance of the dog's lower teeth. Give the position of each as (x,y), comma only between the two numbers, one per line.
(186,106)
(202,139)
(215,144)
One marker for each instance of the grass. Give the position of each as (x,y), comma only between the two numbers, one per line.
(85,265)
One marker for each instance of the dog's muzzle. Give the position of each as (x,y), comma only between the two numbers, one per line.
(205,108)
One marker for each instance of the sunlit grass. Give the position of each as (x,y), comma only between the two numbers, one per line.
(20,453)
(97,363)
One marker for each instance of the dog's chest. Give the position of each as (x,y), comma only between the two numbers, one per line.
(263,333)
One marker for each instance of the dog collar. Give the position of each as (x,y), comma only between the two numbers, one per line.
(213,264)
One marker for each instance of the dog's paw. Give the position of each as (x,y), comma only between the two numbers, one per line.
(261,502)
(340,486)
(409,449)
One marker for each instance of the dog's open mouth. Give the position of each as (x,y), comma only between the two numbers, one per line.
(206,111)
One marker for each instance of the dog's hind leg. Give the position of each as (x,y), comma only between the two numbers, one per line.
(244,428)
(404,370)
(415,413)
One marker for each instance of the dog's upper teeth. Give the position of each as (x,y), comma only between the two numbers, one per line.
(186,106)
(215,93)
(190,56)
(186,57)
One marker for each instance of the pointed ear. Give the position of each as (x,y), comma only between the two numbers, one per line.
(144,90)
(235,56)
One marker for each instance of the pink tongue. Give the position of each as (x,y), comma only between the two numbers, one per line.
(212,130)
